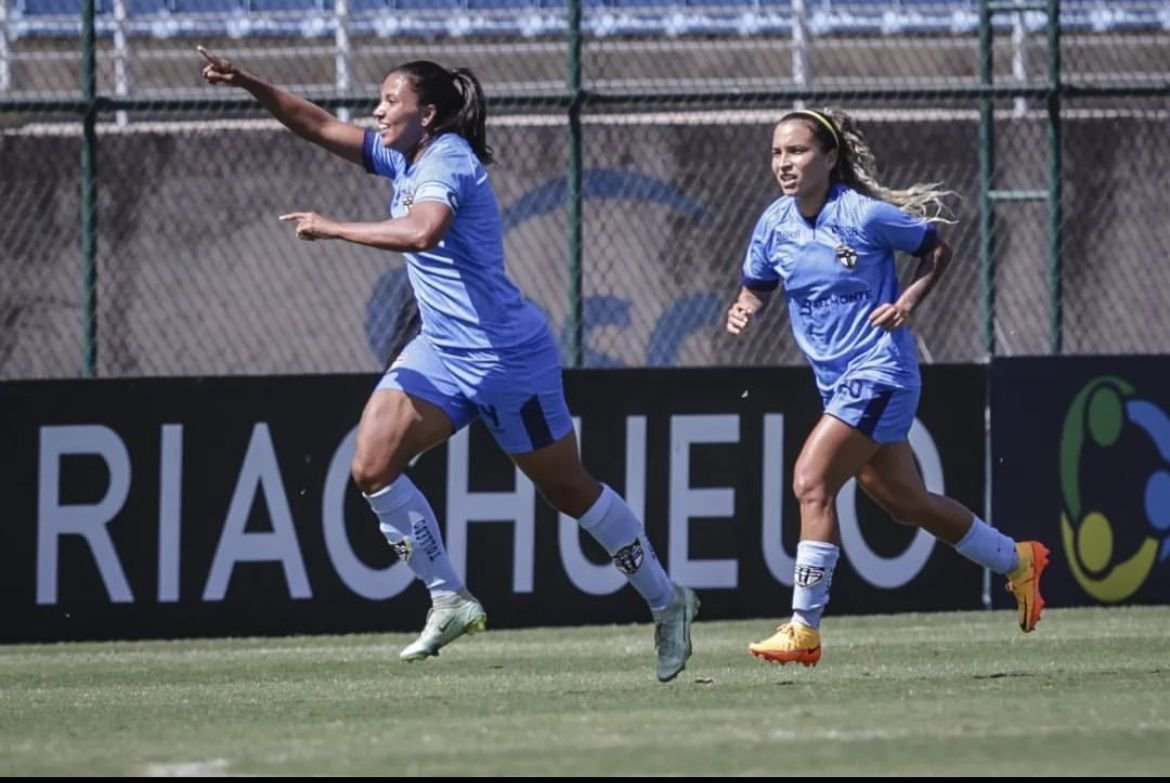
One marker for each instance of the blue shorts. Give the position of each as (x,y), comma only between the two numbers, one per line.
(518,393)
(877,410)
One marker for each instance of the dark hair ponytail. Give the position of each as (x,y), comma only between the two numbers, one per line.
(458,100)
(471,121)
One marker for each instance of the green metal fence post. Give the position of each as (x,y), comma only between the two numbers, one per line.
(988,195)
(573,187)
(1055,187)
(986,256)
(89,189)
(986,181)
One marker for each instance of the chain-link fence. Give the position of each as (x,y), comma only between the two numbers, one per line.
(191,273)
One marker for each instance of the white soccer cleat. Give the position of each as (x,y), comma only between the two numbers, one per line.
(449,618)
(672,633)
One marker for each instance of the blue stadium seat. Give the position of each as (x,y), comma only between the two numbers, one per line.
(733,5)
(562,4)
(357,6)
(59,7)
(502,5)
(147,7)
(264,6)
(207,6)
(839,5)
(427,5)
(647,4)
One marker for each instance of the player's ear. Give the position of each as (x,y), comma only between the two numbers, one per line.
(428,115)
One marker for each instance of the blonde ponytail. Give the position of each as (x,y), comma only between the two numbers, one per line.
(857,167)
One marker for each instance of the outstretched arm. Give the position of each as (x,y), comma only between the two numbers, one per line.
(305,119)
(930,270)
(422,229)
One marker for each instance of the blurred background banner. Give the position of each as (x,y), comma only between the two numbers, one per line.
(140,234)
(1081,455)
(179,507)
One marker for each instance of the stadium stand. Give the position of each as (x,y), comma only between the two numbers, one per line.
(316,18)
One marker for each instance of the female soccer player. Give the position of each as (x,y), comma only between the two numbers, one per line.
(830,239)
(483,352)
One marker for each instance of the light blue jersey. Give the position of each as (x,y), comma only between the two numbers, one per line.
(484,352)
(465,298)
(835,271)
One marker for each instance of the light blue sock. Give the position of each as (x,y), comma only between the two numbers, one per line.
(612,524)
(407,521)
(815,561)
(988,547)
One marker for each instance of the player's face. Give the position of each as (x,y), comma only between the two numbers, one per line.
(400,119)
(801,167)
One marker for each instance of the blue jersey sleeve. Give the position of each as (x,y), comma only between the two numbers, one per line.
(380,159)
(444,178)
(758,273)
(894,228)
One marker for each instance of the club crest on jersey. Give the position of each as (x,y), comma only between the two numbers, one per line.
(846,255)
(407,198)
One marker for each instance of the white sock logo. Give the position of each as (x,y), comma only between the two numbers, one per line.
(629,558)
(403,548)
(808,575)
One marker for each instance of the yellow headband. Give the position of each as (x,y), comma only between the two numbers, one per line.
(823,120)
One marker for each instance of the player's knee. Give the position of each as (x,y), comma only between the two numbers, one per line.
(371,473)
(810,487)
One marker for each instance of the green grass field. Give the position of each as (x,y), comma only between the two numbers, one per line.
(912,694)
